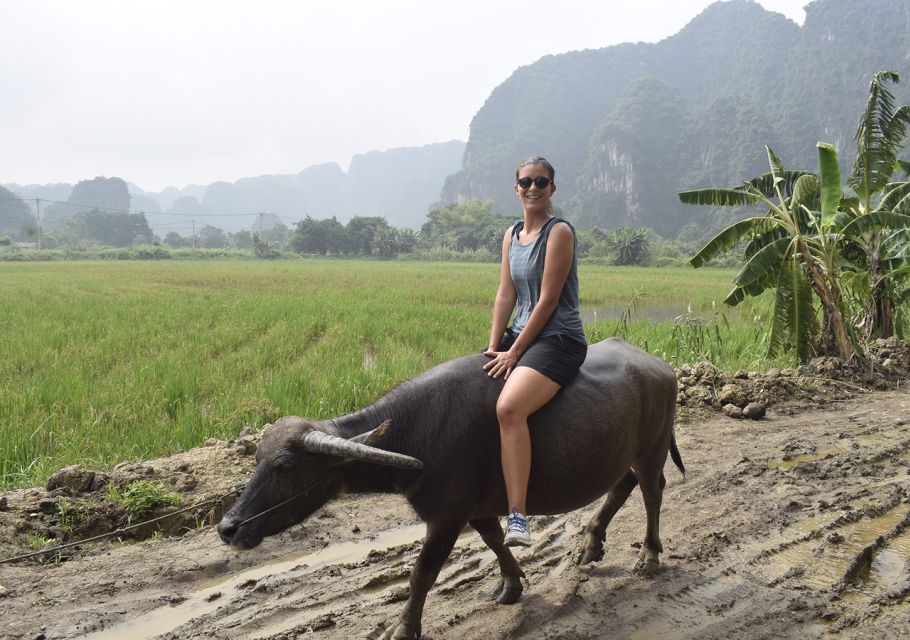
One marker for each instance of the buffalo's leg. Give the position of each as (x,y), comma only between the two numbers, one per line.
(652,489)
(597,528)
(437,546)
(509,588)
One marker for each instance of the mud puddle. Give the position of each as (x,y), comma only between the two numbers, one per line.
(210,597)
(820,563)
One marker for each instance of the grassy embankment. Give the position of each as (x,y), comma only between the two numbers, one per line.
(109,361)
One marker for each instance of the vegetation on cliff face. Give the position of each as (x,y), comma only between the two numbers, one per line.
(629,125)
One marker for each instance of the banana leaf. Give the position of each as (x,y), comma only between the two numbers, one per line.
(829,177)
(879,135)
(757,242)
(727,239)
(764,183)
(736,295)
(842,219)
(793,321)
(805,187)
(719,197)
(895,198)
(765,264)
(875,221)
(777,167)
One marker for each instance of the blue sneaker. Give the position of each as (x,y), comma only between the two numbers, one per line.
(518,533)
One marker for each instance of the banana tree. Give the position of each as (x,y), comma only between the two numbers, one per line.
(876,248)
(790,250)
(877,229)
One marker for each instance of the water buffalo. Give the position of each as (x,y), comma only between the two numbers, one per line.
(437,444)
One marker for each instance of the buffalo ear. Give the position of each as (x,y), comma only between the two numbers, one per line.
(371,438)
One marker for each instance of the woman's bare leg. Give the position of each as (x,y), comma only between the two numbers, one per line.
(525,391)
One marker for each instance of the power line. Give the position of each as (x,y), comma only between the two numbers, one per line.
(91,207)
(283,219)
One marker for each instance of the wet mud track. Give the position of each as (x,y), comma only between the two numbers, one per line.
(788,527)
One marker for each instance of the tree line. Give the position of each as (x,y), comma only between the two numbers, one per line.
(468,231)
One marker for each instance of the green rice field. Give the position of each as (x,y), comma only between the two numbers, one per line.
(102,362)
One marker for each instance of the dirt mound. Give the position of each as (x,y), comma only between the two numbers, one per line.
(821,381)
(78,503)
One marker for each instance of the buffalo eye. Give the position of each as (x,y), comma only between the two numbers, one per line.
(284,464)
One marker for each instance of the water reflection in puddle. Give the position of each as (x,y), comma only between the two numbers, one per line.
(820,563)
(793,460)
(213,595)
(889,567)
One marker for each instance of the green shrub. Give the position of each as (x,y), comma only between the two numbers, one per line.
(141,496)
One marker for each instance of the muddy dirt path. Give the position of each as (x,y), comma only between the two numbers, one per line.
(794,526)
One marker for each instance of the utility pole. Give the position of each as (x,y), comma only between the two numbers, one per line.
(260,225)
(194,235)
(38,218)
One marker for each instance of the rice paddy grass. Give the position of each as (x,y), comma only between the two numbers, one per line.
(102,362)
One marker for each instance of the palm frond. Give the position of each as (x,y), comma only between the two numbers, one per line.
(895,193)
(880,134)
(804,189)
(804,321)
(793,321)
(727,239)
(764,183)
(779,337)
(842,219)
(875,221)
(777,167)
(719,197)
(764,265)
(829,177)
(736,295)
(758,241)
(896,130)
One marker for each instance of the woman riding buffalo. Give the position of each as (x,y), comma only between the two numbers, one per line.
(544,346)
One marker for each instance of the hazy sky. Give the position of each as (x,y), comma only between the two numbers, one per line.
(172,93)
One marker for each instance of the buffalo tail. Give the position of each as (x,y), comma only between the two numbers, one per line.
(674,453)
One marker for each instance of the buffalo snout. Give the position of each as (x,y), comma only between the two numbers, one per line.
(227,528)
(233,533)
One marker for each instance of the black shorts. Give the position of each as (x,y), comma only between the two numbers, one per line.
(557,357)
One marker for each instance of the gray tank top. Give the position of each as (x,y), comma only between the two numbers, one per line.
(526,264)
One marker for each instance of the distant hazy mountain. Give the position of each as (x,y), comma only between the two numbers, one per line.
(628,126)
(399,185)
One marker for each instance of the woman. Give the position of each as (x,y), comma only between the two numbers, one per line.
(545,344)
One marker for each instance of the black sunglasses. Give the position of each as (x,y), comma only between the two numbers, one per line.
(541,182)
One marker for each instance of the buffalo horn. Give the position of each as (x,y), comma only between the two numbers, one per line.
(319,442)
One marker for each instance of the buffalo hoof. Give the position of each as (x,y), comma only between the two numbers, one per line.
(508,591)
(590,554)
(645,568)
(647,563)
(395,632)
